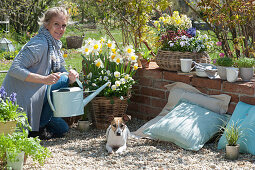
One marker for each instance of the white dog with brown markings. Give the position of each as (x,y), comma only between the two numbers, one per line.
(117,134)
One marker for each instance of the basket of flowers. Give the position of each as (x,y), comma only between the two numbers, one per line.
(178,40)
(102,63)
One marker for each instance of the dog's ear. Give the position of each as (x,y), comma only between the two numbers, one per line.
(126,117)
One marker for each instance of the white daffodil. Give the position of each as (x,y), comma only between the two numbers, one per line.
(103,40)
(118,59)
(114,87)
(96,47)
(86,49)
(116,74)
(129,49)
(133,58)
(99,63)
(117,83)
(111,44)
(89,75)
(105,78)
(112,57)
(135,66)
(122,81)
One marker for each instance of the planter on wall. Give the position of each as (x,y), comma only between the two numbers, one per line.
(222,72)
(246,73)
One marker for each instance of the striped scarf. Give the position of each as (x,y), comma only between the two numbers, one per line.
(54,49)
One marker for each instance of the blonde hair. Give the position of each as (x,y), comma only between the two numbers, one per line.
(52,12)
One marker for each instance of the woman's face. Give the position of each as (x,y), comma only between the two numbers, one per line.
(57,26)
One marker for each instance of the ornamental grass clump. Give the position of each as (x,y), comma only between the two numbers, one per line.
(245,62)
(103,62)
(232,133)
(177,34)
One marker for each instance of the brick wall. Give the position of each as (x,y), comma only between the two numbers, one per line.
(150,95)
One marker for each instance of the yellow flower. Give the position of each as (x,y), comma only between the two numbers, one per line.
(135,66)
(113,50)
(96,46)
(65,55)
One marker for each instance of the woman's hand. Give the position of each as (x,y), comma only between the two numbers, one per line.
(51,79)
(72,76)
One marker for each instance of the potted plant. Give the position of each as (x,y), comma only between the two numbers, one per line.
(14,147)
(11,114)
(246,67)
(146,58)
(84,122)
(222,63)
(232,133)
(102,63)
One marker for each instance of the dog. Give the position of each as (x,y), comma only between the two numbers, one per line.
(117,134)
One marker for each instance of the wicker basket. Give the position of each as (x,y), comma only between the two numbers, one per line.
(170,60)
(104,109)
(74,42)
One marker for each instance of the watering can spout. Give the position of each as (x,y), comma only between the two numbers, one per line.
(91,96)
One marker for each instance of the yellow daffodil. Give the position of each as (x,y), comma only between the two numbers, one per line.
(135,66)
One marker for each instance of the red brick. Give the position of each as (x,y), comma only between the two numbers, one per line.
(134,107)
(207,83)
(231,108)
(144,81)
(203,90)
(248,100)
(158,102)
(238,87)
(150,111)
(153,92)
(150,73)
(234,97)
(141,99)
(214,92)
(160,84)
(136,89)
(173,76)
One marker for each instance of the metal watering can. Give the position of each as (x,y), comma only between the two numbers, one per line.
(68,102)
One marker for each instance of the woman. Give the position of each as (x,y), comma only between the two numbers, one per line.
(37,65)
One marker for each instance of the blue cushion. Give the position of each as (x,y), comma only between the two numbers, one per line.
(243,116)
(187,125)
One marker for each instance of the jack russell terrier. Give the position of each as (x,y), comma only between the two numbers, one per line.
(117,134)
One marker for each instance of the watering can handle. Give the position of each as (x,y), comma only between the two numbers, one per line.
(49,88)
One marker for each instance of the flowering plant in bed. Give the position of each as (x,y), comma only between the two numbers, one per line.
(11,112)
(103,62)
(177,34)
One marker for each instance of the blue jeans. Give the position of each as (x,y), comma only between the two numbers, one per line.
(55,125)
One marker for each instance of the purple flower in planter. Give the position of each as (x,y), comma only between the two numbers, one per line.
(13,97)
(221,55)
(3,94)
(214,61)
(192,31)
(218,43)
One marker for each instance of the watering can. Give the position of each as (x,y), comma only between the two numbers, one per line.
(68,102)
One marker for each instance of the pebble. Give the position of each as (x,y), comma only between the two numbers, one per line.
(86,150)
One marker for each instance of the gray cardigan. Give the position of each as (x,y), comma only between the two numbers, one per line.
(33,57)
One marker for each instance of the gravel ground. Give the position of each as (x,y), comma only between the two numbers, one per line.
(86,150)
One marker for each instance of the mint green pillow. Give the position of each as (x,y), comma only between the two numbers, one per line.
(244,116)
(187,125)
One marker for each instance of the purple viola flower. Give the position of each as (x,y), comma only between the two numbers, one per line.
(3,94)
(192,31)
(13,97)
(214,61)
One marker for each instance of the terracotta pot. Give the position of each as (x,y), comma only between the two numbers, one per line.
(232,152)
(145,63)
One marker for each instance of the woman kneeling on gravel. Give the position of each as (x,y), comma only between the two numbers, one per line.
(37,65)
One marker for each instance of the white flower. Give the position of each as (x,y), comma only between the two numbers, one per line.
(118,59)
(88,41)
(96,46)
(129,49)
(182,43)
(111,44)
(122,80)
(121,98)
(133,58)
(135,67)
(171,44)
(114,87)
(86,49)
(100,78)
(108,72)
(116,74)
(103,40)
(99,63)
(126,76)
(105,78)
(117,83)
(94,84)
